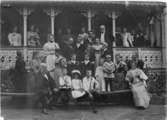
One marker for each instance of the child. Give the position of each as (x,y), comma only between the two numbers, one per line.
(76,84)
(65,86)
(90,84)
(108,69)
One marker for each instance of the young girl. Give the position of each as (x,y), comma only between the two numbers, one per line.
(76,84)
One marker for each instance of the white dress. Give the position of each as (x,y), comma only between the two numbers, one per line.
(100,77)
(138,87)
(77,85)
(65,81)
(14,39)
(127,40)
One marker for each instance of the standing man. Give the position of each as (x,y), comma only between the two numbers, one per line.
(14,37)
(105,37)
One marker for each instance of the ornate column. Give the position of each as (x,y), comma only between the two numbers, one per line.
(25,12)
(52,12)
(89,14)
(114,26)
(114,16)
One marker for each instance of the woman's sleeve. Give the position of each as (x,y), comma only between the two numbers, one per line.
(128,76)
(143,75)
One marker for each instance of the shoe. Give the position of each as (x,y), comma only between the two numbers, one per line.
(44,111)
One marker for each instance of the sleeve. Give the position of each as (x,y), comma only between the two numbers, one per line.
(69,81)
(83,85)
(57,46)
(128,76)
(143,75)
(97,72)
(9,38)
(45,47)
(96,83)
(20,39)
(61,82)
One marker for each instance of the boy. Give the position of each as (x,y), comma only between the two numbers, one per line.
(108,69)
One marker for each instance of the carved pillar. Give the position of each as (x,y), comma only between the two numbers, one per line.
(114,16)
(89,14)
(114,26)
(52,12)
(25,12)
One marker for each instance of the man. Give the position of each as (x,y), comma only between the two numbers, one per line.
(105,37)
(14,37)
(73,64)
(127,38)
(79,47)
(20,72)
(87,64)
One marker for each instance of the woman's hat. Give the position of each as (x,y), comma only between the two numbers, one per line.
(76,72)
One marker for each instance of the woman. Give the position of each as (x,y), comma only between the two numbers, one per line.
(137,81)
(33,37)
(20,72)
(98,50)
(100,75)
(121,69)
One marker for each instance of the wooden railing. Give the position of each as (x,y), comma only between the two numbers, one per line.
(151,56)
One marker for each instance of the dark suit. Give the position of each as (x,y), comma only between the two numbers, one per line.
(88,66)
(108,38)
(72,66)
(79,51)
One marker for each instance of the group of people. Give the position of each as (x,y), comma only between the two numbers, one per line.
(123,38)
(78,76)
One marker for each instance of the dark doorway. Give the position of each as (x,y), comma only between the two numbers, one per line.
(72,19)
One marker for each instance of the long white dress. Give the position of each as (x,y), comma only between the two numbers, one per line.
(140,95)
(100,77)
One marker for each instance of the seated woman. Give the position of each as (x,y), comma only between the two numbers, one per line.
(137,81)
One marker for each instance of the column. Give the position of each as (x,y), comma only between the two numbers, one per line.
(89,20)
(25,25)
(165,37)
(114,27)
(25,12)
(89,14)
(52,13)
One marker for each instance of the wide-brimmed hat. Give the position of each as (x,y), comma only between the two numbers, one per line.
(76,72)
